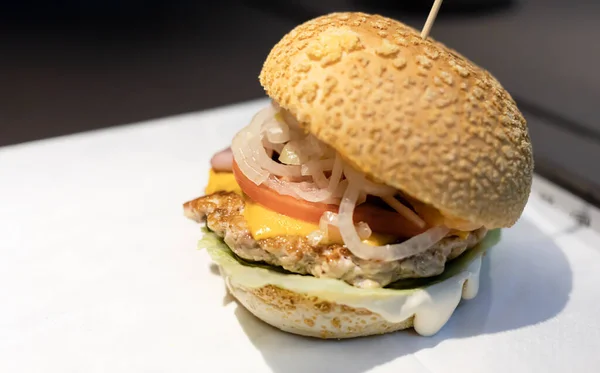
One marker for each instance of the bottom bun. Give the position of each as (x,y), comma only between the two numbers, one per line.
(310,316)
(330,308)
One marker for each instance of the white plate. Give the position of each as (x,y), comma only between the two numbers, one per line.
(99,272)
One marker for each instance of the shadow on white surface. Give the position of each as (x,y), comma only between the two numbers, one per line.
(525,280)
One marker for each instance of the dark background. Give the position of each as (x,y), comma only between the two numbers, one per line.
(71,66)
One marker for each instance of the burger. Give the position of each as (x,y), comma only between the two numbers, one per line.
(363,197)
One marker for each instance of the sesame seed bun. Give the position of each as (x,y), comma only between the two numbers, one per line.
(408,112)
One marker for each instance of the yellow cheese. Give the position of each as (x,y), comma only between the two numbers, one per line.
(221,181)
(264,223)
(377,239)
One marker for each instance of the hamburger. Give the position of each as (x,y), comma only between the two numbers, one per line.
(362,199)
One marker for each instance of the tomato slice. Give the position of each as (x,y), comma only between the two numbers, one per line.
(379,220)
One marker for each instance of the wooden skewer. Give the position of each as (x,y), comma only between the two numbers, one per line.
(431,18)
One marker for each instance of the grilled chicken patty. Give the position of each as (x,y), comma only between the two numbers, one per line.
(224,215)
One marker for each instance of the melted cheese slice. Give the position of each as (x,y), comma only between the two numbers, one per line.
(221,181)
(264,223)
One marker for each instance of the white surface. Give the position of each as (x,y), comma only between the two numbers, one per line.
(99,273)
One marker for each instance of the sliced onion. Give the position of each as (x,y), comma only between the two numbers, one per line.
(321,190)
(271,146)
(323,165)
(367,186)
(277,131)
(404,211)
(302,151)
(363,230)
(290,120)
(386,253)
(315,149)
(328,229)
(253,150)
(321,180)
(303,190)
(273,167)
(246,161)
(313,168)
(336,174)
(341,188)
(292,154)
(245,155)
(328,218)
(255,145)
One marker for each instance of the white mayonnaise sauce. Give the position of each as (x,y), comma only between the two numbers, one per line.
(431,306)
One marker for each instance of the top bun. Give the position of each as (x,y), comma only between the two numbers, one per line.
(408,112)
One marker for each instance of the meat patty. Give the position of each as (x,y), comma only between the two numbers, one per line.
(224,215)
